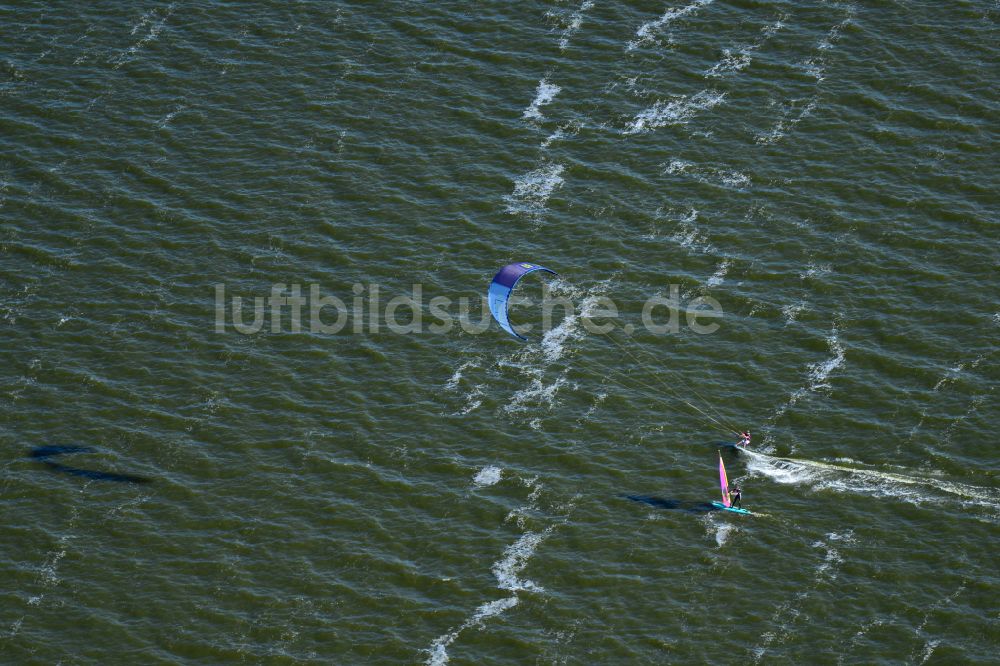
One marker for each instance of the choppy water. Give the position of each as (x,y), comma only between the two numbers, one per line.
(825,170)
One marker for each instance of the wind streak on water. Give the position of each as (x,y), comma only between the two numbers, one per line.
(506,570)
(930,644)
(535,360)
(155,22)
(795,111)
(950,376)
(787,614)
(818,374)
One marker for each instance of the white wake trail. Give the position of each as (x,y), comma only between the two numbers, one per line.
(830,476)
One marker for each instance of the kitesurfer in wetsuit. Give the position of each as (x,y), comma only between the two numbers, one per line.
(744,439)
(736,496)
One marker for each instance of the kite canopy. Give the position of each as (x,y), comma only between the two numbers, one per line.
(503,283)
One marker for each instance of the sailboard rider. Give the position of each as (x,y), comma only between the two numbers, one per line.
(736,496)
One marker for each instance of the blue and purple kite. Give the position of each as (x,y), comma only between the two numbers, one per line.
(503,283)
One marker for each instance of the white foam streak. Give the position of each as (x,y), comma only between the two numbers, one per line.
(555,136)
(950,376)
(554,341)
(788,613)
(709,175)
(575,21)
(828,476)
(785,124)
(688,235)
(739,59)
(833,35)
(814,270)
(514,561)
(544,94)
(818,372)
(598,400)
(562,132)
(677,167)
(720,274)
(473,401)
(646,33)
(832,559)
(474,397)
(791,312)
(163,122)
(734,179)
(536,393)
(534,360)
(533,189)
(929,650)
(155,24)
(722,534)
(487,476)
(455,378)
(815,66)
(731,62)
(675,112)
(506,570)
(439,648)
(931,644)
(856,639)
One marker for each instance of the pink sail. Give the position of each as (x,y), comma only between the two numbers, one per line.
(724,482)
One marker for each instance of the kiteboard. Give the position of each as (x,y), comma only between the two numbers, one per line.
(730,446)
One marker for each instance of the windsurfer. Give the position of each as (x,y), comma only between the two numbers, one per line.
(736,496)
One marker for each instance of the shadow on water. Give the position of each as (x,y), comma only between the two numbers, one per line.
(672,504)
(729,446)
(43,453)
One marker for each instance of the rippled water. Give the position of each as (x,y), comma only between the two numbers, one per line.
(824,170)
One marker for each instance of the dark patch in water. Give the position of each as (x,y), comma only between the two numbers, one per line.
(672,504)
(47,451)
(42,453)
(729,446)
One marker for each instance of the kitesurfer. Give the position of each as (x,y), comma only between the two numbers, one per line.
(736,496)
(744,439)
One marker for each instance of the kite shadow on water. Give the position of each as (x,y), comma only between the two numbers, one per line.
(44,453)
(672,504)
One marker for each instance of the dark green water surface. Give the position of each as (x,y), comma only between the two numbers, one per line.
(826,171)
